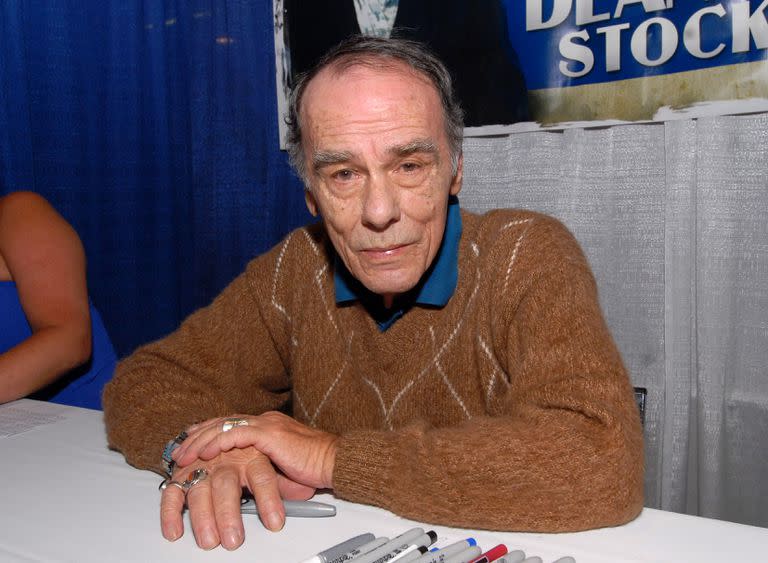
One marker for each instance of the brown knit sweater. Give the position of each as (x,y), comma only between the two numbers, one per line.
(507,409)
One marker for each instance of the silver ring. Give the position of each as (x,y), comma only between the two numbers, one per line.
(193,479)
(169,481)
(230,423)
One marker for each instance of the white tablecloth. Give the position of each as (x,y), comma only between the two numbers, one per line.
(65,497)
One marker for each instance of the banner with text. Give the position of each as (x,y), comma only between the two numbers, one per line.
(635,60)
(530,64)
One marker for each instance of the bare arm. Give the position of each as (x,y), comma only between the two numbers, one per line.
(43,255)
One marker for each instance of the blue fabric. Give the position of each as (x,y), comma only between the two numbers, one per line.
(81,387)
(435,288)
(151,126)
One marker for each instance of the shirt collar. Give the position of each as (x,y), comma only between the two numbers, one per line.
(439,281)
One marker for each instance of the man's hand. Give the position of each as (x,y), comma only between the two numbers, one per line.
(303,454)
(246,456)
(214,503)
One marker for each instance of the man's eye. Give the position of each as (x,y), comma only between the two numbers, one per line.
(343,175)
(410,166)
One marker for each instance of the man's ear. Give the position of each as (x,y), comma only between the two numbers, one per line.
(309,199)
(457,179)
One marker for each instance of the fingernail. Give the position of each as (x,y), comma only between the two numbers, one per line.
(173,534)
(208,539)
(274,522)
(231,538)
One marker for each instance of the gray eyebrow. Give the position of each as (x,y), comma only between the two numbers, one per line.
(323,158)
(327,158)
(417,145)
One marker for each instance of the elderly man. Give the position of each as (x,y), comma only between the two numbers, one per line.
(449,367)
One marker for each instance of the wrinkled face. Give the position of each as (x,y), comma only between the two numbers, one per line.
(379,171)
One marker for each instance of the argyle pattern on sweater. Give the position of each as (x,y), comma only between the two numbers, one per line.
(509,408)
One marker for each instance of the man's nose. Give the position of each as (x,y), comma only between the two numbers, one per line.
(381,203)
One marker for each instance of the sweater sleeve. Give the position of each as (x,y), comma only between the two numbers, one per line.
(222,360)
(564,453)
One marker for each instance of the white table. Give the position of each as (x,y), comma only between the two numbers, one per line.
(65,497)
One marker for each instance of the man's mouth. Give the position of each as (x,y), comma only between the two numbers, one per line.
(384,252)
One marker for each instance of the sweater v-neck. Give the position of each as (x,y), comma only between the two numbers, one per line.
(434,290)
(404,341)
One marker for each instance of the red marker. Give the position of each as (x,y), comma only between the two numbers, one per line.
(492,554)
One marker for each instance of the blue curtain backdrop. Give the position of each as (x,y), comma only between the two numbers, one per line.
(151,126)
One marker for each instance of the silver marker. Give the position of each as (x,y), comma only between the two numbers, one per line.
(419,545)
(413,556)
(464,556)
(442,554)
(397,542)
(362,550)
(297,508)
(340,548)
(405,555)
(516,556)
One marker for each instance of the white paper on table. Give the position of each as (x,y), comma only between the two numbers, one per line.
(22,416)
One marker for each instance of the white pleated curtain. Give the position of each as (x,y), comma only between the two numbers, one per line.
(674,220)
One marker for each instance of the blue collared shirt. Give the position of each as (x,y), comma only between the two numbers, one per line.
(435,288)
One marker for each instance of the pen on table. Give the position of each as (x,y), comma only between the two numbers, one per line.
(406,548)
(491,555)
(516,556)
(413,556)
(398,541)
(339,549)
(465,556)
(442,554)
(405,556)
(297,508)
(363,549)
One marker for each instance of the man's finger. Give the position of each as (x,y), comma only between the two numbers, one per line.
(240,437)
(226,491)
(262,481)
(206,433)
(201,514)
(171,508)
(290,489)
(186,453)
